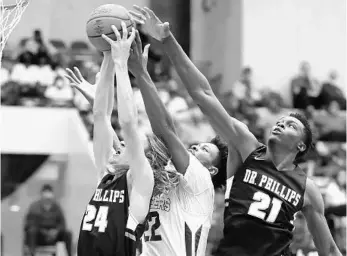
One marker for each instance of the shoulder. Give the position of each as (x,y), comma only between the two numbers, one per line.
(258,152)
(102,177)
(197,178)
(196,165)
(313,197)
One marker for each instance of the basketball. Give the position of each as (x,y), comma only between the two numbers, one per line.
(100,22)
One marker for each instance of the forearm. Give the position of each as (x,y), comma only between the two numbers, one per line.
(101,101)
(158,115)
(195,82)
(103,132)
(111,96)
(127,112)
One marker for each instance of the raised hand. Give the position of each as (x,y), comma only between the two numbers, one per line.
(138,60)
(151,24)
(78,82)
(120,49)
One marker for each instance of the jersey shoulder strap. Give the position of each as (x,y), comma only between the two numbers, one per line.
(258,152)
(134,229)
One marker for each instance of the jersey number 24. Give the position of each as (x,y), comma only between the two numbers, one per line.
(96,218)
(262,203)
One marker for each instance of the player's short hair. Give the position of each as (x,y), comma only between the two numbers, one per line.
(308,135)
(219,180)
(166,176)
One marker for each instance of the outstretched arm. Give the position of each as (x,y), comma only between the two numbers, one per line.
(160,119)
(141,171)
(313,211)
(197,85)
(102,141)
(88,91)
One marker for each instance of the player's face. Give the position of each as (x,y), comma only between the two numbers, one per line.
(288,131)
(119,161)
(206,153)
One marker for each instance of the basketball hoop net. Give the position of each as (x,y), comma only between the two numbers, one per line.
(10,15)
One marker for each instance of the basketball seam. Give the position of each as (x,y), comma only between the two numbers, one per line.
(106,17)
(107,33)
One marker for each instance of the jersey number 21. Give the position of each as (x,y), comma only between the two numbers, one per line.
(262,203)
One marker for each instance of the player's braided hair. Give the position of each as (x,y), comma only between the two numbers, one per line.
(166,177)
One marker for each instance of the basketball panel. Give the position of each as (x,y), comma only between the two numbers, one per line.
(102,25)
(111,10)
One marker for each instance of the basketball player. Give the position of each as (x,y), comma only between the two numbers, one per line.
(269,188)
(178,222)
(121,200)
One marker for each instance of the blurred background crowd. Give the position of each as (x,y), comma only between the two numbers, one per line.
(32,76)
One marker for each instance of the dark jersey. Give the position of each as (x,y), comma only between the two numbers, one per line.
(133,233)
(262,204)
(103,227)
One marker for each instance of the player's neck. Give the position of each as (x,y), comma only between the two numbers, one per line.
(282,159)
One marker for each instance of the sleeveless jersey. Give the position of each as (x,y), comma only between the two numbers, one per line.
(229,183)
(178,223)
(103,228)
(262,204)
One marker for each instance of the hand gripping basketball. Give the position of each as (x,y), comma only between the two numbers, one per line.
(100,21)
(120,49)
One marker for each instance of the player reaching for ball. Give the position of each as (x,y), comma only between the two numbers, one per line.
(179,222)
(121,200)
(269,188)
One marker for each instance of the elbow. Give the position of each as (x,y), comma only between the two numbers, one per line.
(201,95)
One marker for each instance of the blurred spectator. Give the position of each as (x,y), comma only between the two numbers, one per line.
(45,74)
(302,243)
(304,88)
(331,93)
(45,223)
(176,104)
(60,93)
(330,123)
(21,72)
(242,89)
(4,76)
(334,194)
(38,46)
(10,93)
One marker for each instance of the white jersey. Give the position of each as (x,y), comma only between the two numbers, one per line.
(179,222)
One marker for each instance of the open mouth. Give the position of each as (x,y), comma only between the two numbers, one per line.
(277,131)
